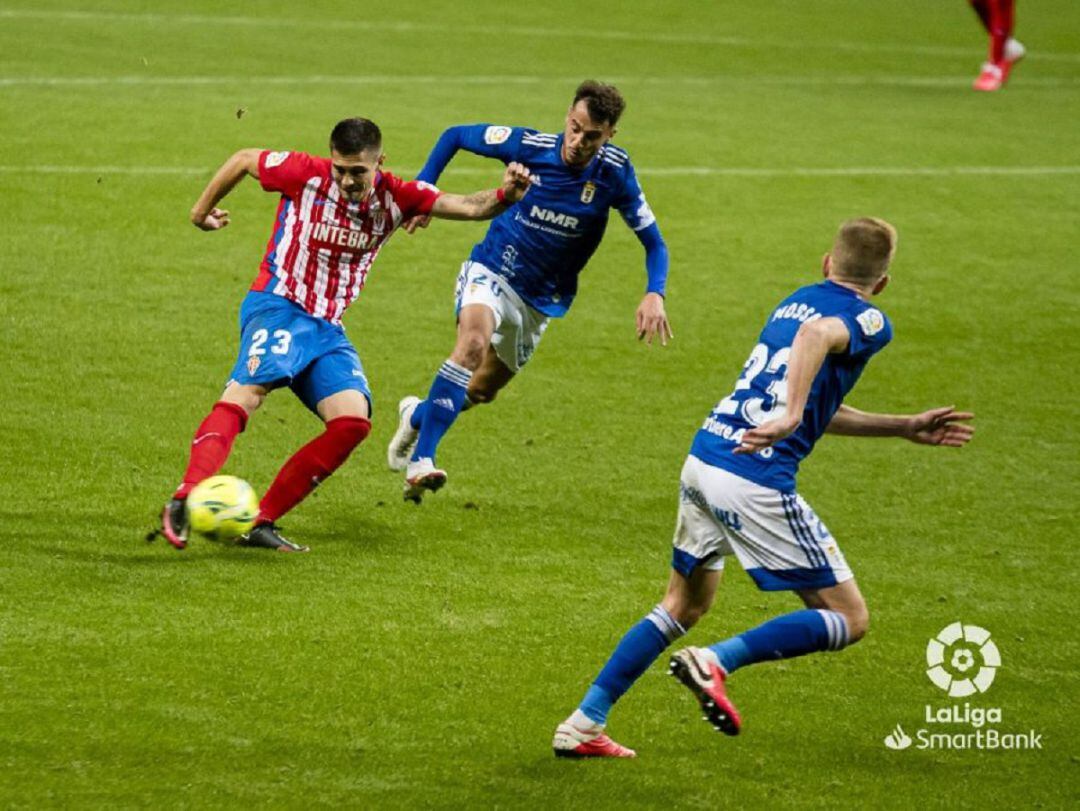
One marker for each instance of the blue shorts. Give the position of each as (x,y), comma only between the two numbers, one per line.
(281,344)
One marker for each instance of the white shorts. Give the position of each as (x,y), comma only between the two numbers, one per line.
(777,538)
(518,327)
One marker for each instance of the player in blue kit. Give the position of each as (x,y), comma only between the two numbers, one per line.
(737,494)
(525,271)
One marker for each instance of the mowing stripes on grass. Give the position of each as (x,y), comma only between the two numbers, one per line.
(510,30)
(661,171)
(883,80)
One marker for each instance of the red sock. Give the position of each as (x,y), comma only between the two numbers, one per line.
(212,443)
(1001,27)
(311,464)
(982,8)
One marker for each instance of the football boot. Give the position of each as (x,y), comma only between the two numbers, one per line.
(268,536)
(705,679)
(572,742)
(404,441)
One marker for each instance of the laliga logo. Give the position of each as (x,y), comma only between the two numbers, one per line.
(960,673)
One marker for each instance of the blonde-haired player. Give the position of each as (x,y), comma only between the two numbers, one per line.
(737,494)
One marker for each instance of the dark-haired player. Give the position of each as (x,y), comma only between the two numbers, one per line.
(737,494)
(525,271)
(333,217)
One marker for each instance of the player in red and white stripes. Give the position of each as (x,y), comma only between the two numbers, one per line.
(333,216)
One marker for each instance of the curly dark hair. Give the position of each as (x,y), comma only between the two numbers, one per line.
(355,135)
(604,101)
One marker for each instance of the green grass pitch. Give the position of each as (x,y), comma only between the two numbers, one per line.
(422,657)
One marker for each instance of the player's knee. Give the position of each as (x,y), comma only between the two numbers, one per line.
(248,398)
(688,615)
(684,609)
(858,622)
(481,395)
(349,431)
(470,350)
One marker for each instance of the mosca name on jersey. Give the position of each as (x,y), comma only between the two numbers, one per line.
(799,312)
(326,235)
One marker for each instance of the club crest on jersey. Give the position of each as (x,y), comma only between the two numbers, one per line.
(871,321)
(588,192)
(275,159)
(496,135)
(253,365)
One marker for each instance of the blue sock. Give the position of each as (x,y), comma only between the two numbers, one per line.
(444,402)
(631,657)
(794,634)
(417,417)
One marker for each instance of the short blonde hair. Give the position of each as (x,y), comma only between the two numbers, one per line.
(863,249)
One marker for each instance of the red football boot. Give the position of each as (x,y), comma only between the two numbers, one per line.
(572,742)
(705,680)
(174,523)
(991,77)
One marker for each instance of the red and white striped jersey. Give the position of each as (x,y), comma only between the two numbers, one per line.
(323,246)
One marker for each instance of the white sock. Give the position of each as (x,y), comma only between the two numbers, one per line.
(583,722)
(710,655)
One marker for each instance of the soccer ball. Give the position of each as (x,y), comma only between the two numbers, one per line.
(222,508)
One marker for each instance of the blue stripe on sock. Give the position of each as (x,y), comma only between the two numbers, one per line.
(830,626)
(838,633)
(455,374)
(667,624)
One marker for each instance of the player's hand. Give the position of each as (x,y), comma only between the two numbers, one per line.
(419,221)
(652,320)
(516,181)
(767,434)
(941,426)
(217,219)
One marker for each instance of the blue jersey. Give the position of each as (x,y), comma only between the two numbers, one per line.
(541,244)
(761,391)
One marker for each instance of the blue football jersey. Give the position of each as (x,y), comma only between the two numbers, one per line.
(542,243)
(761,391)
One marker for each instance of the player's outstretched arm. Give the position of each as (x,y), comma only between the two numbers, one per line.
(205,214)
(943,426)
(483,205)
(813,342)
(480,139)
(651,318)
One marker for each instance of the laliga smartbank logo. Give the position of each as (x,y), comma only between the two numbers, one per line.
(962,660)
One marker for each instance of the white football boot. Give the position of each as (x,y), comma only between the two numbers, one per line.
(404,442)
(422,475)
